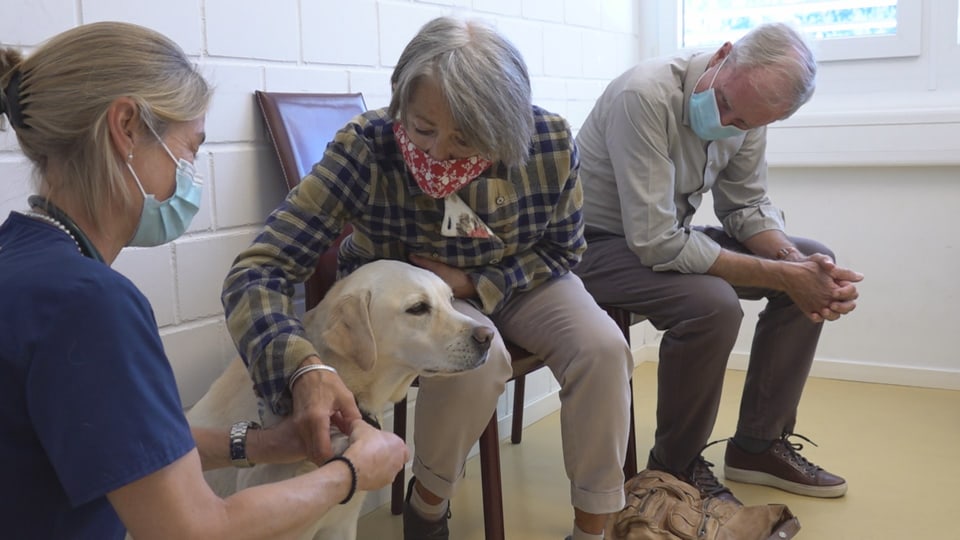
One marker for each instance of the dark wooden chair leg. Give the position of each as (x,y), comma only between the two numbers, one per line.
(516,431)
(490,481)
(624,318)
(400,429)
(630,465)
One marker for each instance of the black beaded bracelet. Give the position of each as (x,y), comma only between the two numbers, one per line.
(353,476)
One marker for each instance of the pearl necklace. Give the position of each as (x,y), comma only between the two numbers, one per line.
(56,223)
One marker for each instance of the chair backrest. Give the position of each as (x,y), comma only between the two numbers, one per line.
(300,126)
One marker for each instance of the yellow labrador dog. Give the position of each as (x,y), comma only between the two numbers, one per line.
(380,327)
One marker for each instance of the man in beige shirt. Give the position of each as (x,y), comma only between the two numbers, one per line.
(663,134)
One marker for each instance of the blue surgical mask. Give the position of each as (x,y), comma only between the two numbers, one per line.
(704,114)
(162,222)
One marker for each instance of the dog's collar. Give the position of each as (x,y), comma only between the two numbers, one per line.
(369,418)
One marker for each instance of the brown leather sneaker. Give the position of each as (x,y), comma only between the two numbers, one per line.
(781,466)
(700,476)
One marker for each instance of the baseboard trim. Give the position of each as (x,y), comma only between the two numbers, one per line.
(845,370)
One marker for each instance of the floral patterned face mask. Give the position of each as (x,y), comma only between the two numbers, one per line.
(437,178)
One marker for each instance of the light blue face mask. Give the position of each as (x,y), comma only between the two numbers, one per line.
(705,115)
(162,222)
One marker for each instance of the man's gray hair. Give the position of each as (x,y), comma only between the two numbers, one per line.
(483,78)
(779,50)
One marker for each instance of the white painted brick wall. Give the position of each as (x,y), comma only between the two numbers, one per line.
(253,29)
(205,260)
(233,115)
(572,48)
(305,79)
(152,270)
(330,30)
(249,185)
(180,20)
(374,85)
(29,23)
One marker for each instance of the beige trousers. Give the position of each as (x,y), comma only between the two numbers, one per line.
(588,356)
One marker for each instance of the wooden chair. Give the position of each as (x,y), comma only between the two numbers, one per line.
(300,126)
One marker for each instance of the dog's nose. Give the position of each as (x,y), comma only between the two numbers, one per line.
(483,335)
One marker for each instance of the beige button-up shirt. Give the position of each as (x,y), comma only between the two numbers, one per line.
(644,171)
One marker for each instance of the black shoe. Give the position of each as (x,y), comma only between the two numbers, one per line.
(699,475)
(415,527)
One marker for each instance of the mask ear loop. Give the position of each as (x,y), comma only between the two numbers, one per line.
(163,144)
(717,72)
(134,173)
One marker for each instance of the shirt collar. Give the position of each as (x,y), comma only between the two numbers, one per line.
(695,68)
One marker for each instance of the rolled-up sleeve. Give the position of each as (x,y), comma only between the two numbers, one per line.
(258,290)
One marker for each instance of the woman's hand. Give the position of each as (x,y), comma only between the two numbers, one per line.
(457,279)
(320,397)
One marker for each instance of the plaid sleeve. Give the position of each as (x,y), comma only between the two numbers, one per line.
(258,290)
(561,243)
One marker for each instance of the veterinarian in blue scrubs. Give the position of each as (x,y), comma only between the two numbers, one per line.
(461,175)
(92,437)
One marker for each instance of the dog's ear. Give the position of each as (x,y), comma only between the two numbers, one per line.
(348,331)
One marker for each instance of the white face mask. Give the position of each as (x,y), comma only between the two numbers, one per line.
(705,115)
(162,222)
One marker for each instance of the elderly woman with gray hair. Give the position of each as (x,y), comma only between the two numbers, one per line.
(461,175)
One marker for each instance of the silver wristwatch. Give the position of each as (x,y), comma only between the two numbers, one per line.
(238,443)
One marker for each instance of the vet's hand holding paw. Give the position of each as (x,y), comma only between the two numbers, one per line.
(320,397)
(278,444)
(377,455)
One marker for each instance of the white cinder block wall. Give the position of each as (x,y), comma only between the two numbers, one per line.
(572,48)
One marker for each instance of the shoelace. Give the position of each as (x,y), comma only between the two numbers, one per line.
(793,453)
(703,478)
(701,474)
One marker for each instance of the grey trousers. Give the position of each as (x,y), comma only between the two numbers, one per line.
(700,315)
(590,359)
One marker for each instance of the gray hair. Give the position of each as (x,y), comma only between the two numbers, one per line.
(65,89)
(483,78)
(780,51)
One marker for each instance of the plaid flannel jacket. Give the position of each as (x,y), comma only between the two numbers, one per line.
(534,211)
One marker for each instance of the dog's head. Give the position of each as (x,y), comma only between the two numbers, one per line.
(393,313)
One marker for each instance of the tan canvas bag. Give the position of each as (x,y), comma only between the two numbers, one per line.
(661,507)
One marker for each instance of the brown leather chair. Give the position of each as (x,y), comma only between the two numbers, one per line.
(300,126)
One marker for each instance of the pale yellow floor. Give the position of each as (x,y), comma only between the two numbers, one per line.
(897,446)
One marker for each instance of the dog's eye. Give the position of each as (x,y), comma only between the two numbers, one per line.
(420,308)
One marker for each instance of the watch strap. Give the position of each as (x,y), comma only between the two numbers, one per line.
(238,443)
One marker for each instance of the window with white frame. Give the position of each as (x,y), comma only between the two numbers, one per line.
(841,29)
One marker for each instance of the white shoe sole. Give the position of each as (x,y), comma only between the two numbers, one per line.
(761,478)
